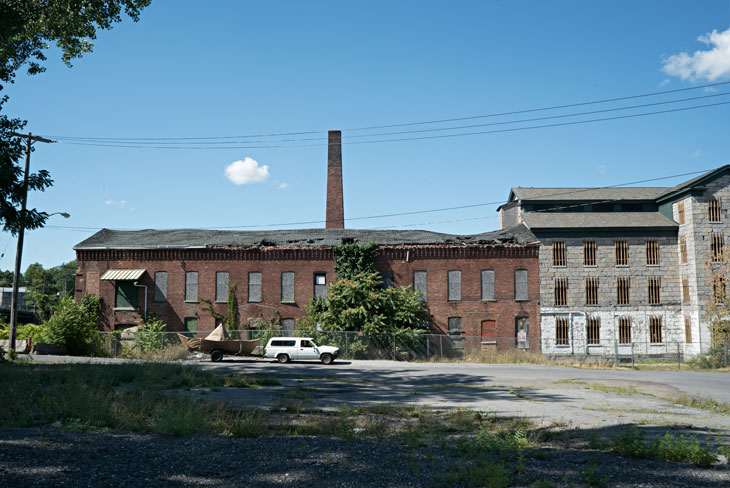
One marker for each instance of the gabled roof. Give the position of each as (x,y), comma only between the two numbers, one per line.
(565,194)
(197,238)
(597,220)
(694,182)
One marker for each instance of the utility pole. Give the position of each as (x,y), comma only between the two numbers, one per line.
(21,234)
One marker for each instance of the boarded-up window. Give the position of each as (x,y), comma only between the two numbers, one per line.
(126,295)
(714,207)
(254,286)
(655,329)
(717,245)
(687,329)
(487,284)
(454,282)
(287,286)
(420,283)
(489,331)
(521,292)
(561,291)
(191,286)
(682,250)
(652,253)
(320,285)
(624,330)
(591,291)
(562,331)
(718,288)
(680,213)
(589,253)
(160,286)
(287,326)
(593,330)
(455,331)
(654,290)
(388,279)
(221,286)
(623,291)
(685,290)
(621,249)
(191,326)
(559,253)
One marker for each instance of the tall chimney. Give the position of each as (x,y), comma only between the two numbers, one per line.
(335,205)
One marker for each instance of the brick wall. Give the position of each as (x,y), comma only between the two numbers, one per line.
(271,262)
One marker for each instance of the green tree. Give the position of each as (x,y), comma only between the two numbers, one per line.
(26,29)
(358,301)
(46,287)
(76,325)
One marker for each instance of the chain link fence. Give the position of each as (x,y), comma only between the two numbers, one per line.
(434,347)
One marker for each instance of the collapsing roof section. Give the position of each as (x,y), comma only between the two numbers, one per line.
(197,238)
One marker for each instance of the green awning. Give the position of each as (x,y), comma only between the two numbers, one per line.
(123,274)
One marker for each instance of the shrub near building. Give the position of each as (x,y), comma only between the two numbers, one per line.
(359,302)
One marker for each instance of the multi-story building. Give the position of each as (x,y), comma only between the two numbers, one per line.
(483,285)
(625,268)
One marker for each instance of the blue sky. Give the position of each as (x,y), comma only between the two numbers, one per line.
(226,68)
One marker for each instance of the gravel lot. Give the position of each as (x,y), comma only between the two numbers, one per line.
(54,457)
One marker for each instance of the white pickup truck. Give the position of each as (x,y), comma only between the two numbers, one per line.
(286,349)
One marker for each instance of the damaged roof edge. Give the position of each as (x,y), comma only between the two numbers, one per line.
(304,238)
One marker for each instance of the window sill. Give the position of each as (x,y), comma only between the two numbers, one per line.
(491,300)
(190,301)
(562,346)
(657,344)
(489,343)
(125,309)
(523,300)
(594,345)
(289,302)
(590,265)
(556,266)
(220,301)
(622,265)
(653,265)
(254,301)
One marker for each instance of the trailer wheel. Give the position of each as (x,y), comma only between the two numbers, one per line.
(216,355)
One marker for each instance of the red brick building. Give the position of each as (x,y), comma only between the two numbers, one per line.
(484,285)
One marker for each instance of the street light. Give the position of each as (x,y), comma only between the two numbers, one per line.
(16,273)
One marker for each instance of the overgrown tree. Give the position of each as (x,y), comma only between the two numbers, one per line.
(46,287)
(358,301)
(717,305)
(26,29)
(231,319)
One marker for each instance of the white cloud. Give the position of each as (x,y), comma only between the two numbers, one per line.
(602,169)
(697,153)
(710,64)
(246,171)
(282,186)
(119,203)
(664,82)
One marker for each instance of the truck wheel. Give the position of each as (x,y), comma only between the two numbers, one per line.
(326,358)
(216,355)
(283,358)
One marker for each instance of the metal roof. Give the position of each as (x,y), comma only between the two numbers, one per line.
(196,238)
(596,220)
(645,193)
(123,274)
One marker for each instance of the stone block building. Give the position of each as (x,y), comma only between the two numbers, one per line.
(625,269)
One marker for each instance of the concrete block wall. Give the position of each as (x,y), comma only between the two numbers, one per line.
(608,310)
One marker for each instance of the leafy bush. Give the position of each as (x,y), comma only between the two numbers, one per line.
(75,325)
(151,336)
(715,357)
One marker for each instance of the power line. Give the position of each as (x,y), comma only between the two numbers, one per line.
(442,136)
(415,212)
(218,142)
(438,121)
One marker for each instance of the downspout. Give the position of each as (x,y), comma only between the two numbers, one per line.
(145,298)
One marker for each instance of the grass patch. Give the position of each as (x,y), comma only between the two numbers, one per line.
(116,396)
(631,443)
(701,403)
(621,390)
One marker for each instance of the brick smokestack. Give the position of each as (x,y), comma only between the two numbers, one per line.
(335,205)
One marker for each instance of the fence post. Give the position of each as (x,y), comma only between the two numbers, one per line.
(725,354)
(615,351)
(679,363)
(393,346)
(347,351)
(428,346)
(441,346)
